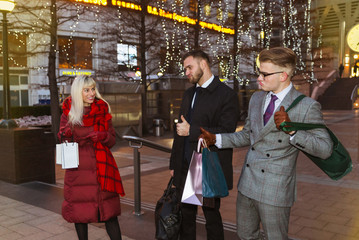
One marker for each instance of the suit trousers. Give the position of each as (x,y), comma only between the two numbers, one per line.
(214,225)
(250,213)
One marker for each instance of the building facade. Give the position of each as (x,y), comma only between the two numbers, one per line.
(112,39)
(336,19)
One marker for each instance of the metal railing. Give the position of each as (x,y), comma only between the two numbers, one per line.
(354,94)
(136,143)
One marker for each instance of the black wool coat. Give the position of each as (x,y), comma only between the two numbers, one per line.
(217,111)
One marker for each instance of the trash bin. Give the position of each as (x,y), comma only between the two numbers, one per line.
(157,127)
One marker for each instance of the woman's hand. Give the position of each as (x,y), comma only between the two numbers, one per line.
(66,130)
(97,136)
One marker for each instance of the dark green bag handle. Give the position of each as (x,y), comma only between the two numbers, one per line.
(297,100)
(339,163)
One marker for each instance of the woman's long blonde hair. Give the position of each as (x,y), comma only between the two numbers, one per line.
(77,105)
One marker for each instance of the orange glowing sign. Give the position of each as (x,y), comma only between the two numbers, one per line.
(161,13)
(94,2)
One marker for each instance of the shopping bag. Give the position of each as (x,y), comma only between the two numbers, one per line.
(339,163)
(67,154)
(192,192)
(168,215)
(59,153)
(214,183)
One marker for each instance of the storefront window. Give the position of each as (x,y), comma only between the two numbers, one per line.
(75,53)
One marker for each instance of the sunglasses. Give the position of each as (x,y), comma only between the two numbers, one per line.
(263,74)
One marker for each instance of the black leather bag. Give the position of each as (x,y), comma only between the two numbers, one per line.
(168,214)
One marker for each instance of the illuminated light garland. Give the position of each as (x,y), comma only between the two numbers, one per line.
(240,32)
(291,34)
(162,13)
(176,36)
(164,67)
(222,40)
(180,18)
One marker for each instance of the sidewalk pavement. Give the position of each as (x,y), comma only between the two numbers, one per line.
(23,221)
(325,209)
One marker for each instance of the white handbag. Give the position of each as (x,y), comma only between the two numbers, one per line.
(67,154)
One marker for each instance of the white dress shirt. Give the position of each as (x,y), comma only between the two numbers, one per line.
(204,85)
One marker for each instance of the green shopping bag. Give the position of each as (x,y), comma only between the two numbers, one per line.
(214,184)
(339,163)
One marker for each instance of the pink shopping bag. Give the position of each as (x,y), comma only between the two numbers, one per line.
(192,192)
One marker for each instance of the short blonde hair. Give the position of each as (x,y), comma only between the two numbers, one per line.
(77,105)
(280,56)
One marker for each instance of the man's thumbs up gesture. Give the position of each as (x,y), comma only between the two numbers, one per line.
(183,127)
(281,116)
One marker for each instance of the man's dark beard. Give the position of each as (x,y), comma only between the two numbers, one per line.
(197,77)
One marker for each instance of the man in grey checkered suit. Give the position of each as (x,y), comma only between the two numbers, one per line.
(267,185)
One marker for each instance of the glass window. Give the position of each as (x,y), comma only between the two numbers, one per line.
(14,80)
(14,98)
(275,39)
(207,10)
(224,66)
(193,6)
(17,50)
(170,64)
(126,54)
(75,53)
(24,98)
(230,19)
(24,80)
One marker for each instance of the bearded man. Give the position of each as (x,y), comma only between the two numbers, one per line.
(214,106)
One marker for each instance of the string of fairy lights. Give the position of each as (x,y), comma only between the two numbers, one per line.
(178,30)
(296,33)
(292,19)
(24,35)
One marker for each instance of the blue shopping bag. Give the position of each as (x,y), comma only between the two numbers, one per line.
(213,181)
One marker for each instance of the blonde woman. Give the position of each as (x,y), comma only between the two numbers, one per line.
(92,190)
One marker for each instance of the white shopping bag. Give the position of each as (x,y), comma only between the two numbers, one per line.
(67,154)
(192,192)
(59,154)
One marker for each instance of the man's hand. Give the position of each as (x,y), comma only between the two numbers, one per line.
(282,116)
(183,127)
(210,138)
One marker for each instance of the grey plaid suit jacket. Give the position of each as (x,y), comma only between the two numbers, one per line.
(269,172)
